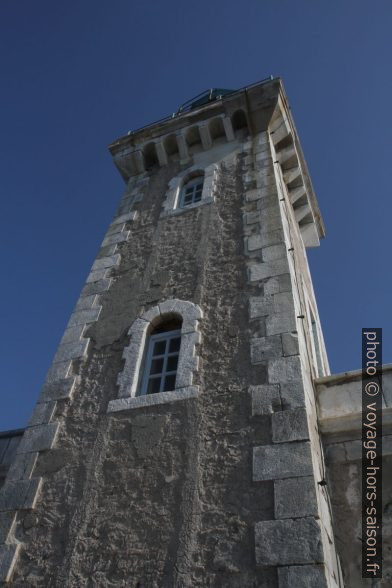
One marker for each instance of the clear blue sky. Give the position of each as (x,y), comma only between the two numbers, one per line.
(76,75)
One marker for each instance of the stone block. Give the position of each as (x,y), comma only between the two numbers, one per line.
(271,286)
(255,242)
(131,402)
(284,460)
(8,557)
(295,498)
(73,334)
(265,399)
(281,322)
(58,390)
(116,228)
(22,466)
(273,252)
(290,343)
(290,425)
(96,287)
(288,542)
(58,371)
(19,495)
(124,218)
(302,577)
(260,306)
(42,413)
(264,348)
(292,395)
(287,369)
(38,438)
(283,301)
(97,275)
(86,302)
(7,519)
(84,316)
(252,217)
(268,269)
(115,238)
(285,283)
(72,350)
(252,195)
(105,262)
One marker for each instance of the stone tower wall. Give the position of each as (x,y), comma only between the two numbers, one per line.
(217,484)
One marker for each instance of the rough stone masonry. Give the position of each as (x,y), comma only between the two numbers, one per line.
(216,482)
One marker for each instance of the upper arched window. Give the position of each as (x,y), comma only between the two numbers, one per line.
(161,358)
(191,191)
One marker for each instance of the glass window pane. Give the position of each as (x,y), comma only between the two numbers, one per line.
(189,190)
(199,187)
(172,361)
(170,382)
(159,348)
(197,197)
(174,344)
(156,366)
(153,385)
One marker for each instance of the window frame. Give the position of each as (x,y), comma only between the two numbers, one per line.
(150,344)
(188,362)
(192,184)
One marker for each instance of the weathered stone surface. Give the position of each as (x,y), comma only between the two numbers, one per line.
(121,404)
(7,519)
(290,425)
(264,348)
(58,390)
(260,306)
(8,555)
(96,287)
(273,252)
(43,412)
(72,350)
(38,438)
(265,399)
(258,241)
(284,460)
(115,238)
(261,271)
(295,497)
(105,262)
(22,466)
(292,395)
(290,343)
(84,316)
(19,495)
(281,322)
(302,577)
(287,369)
(288,542)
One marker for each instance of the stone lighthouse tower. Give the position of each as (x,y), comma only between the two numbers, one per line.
(175,442)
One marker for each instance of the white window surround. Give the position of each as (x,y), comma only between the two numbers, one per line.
(171,204)
(188,361)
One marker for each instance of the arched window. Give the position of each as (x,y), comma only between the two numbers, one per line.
(191,191)
(161,358)
(171,147)
(217,130)
(239,122)
(150,156)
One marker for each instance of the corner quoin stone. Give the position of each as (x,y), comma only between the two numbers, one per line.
(285,460)
(302,577)
(295,497)
(292,541)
